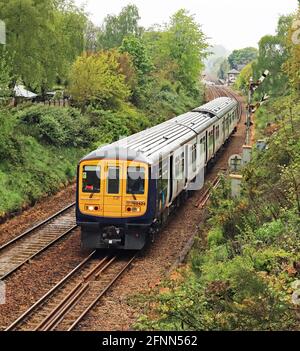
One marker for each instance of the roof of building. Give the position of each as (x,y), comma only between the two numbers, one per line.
(234,71)
(20,91)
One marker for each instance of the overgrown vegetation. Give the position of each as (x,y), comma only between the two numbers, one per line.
(245,264)
(40,147)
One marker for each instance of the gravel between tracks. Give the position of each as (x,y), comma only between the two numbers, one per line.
(113,312)
(42,210)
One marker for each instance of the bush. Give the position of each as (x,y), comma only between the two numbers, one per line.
(56,126)
(215,237)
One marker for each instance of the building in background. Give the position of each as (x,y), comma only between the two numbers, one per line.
(231,76)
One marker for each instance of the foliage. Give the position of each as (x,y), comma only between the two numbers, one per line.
(273,53)
(5,77)
(137,80)
(96,79)
(292,65)
(240,58)
(116,28)
(136,48)
(56,126)
(242,279)
(40,147)
(243,79)
(186,45)
(247,255)
(224,68)
(40,31)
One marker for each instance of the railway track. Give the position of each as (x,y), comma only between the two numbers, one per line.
(35,240)
(215,91)
(67,303)
(202,201)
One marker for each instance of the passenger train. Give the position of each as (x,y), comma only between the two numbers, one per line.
(127,190)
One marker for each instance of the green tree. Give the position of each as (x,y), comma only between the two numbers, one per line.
(43,38)
(224,69)
(96,80)
(116,28)
(186,44)
(5,77)
(135,47)
(70,27)
(292,65)
(273,53)
(242,81)
(239,58)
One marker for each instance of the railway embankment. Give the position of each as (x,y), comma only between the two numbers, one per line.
(243,272)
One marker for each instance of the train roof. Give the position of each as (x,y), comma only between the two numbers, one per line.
(217,107)
(150,144)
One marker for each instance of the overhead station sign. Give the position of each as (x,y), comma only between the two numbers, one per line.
(2,33)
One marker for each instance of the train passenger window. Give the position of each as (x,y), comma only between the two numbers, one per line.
(182,164)
(218,132)
(113,180)
(177,167)
(202,142)
(91,179)
(135,180)
(194,156)
(211,138)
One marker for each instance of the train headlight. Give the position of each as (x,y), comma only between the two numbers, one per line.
(92,208)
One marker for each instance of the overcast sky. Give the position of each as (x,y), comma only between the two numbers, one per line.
(231,23)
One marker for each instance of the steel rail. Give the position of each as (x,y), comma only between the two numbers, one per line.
(23,248)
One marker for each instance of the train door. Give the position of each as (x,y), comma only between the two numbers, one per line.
(223,130)
(206,147)
(113,189)
(171,179)
(214,139)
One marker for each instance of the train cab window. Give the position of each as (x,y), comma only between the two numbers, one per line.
(91,179)
(113,180)
(135,180)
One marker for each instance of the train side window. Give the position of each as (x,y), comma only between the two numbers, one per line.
(203,143)
(113,180)
(194,157)
(217,132)
(135,180)
(211,138)
(182,165)
(177,167)
(91,179)
(163,182)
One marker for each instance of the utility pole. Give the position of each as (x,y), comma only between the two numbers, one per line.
(250,107)
(2,33)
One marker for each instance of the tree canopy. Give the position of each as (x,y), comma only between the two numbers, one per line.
(116,28)
(240,58)
(96,79)
(43,38)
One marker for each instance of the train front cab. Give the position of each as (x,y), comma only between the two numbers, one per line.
(112,203)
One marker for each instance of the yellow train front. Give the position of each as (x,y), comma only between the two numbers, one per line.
(127,190)
(113,197)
